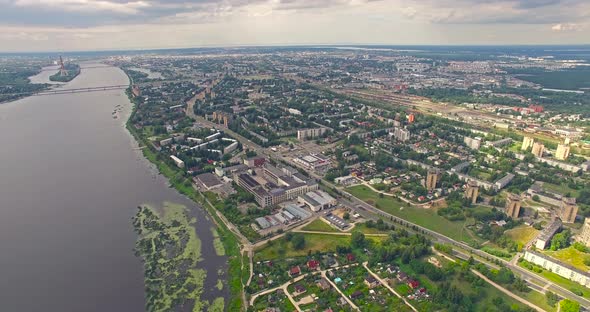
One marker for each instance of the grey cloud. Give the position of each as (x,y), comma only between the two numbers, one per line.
(180,11)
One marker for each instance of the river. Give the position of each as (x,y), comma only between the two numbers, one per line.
(71,178)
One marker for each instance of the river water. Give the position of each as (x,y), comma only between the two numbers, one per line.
(71,178)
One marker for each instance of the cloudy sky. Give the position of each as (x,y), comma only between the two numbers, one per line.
(67,25)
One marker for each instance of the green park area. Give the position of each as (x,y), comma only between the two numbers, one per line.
(522,234)
(284,247)
(427,218)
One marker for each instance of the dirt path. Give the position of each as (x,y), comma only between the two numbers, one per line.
(340,292)
(499,287)
(507,292)
(389,287)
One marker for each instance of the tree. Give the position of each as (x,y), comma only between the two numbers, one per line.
(561,240)
(552,298)
(357,240)
(567,305)
(298,241)
(346,216)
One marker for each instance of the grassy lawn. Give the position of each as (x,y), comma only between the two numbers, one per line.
(538,299)
(487,295)
(427,218)
(570,256)
(280,248)
(318,225)
(560,189)
(522,234)
(362,227)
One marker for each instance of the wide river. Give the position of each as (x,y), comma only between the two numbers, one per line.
(71,178)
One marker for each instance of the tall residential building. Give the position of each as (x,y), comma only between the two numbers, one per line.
(563,152)
(584,236)
(513,206)
(472,191)
(401,134)
(527,143)
(569,210)
(538,149)
(431,179)
(473,143)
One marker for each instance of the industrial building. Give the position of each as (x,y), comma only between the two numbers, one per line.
(317,200)
(315,162)
(207,181)
(275,185)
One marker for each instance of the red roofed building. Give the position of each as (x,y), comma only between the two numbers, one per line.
(313,265)
(295,271)
(350,257)
(413,284)
(536,108)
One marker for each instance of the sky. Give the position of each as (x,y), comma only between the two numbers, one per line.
(79,25)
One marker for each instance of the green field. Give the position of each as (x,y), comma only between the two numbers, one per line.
(427,218)
(363,228)
(570,256)
(522,234)
(281,248)
(318,225)
(560,189)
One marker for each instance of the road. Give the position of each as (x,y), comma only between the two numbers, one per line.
(365,208)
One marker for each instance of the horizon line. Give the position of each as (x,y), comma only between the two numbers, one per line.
(326,45)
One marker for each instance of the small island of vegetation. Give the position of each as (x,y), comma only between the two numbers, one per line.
(71,72)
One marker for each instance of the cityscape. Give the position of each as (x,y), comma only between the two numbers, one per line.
(237,174)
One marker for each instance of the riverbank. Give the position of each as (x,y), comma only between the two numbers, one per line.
(183,185)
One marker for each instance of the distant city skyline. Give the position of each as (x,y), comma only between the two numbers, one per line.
(79,25)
